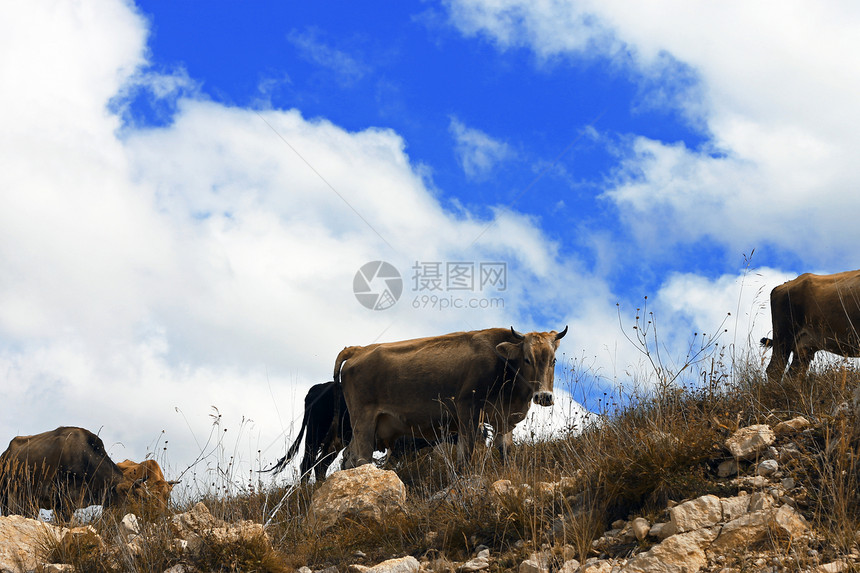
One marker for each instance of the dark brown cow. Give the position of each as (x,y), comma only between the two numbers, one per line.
(429,387)
(150,482)
(63,470)
(812,313)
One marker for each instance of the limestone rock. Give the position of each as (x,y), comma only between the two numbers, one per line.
(640,527)
(479,563)
(364,493)
(81,539)
(22,542)
(502,487)
(681,553)
(662,530)
(734,507)
(747,442)
(766,468)
(701,512)
(792,426)
(570,566)
(198,526)
(406,564)
(58,568)
(728,468)
(834,567)
(533,566)
(786,523)
(741,532)
(752,527)
(129,525)
(597,566)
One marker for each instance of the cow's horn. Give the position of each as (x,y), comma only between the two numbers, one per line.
(174,482)
(516,334)
(561,334)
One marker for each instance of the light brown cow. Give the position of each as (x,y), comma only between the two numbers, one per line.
(148,477)
(812,313)
(428,387)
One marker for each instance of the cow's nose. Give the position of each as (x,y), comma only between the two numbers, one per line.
(544,399)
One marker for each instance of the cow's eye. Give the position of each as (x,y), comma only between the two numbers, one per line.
(527,361)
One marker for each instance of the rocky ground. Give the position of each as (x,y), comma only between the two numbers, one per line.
(760,528)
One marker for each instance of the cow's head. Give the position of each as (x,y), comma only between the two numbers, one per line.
(533,358)
(144,483)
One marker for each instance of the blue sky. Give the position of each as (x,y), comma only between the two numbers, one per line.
(188,191)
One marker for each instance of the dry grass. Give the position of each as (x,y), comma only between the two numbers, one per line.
(644,449)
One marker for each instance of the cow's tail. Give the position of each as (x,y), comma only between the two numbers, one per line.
(342,357)
(337,395)
(766,342)
(291,453)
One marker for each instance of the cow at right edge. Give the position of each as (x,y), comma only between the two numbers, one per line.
(812,313)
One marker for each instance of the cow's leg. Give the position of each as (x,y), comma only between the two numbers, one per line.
(308,460)
(503,442)
(800,364)
(360,449)
(467,429)
(778,361)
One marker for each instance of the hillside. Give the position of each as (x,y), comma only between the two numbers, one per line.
(666,481)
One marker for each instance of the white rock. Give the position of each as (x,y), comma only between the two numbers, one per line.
(57,568)
(681,553)
(362,493)
(640,527)
(728,468)
(570,566)
(479,563)
(835,567)
(406,564)
(22,542)
(749,441)
(129,525)
(662,530)
(792,426)
(701,512)
(734,507)
(532,566)
(766,467)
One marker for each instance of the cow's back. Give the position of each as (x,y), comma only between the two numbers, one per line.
(829,302)
(68,465)
(416,386)
(442,365)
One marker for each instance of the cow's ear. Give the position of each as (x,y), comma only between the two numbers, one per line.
(509,350)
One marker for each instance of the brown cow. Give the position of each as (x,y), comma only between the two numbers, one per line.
(429,387)
(153,488)
(62,469)
(812,313)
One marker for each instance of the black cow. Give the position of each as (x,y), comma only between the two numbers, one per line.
(323,442)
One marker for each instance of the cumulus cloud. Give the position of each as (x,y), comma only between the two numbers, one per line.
(151,273)
(776,102)
(477,152)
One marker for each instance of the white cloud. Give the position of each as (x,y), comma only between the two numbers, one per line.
(775,90)
(147,274)
(477,152)
(346,68)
